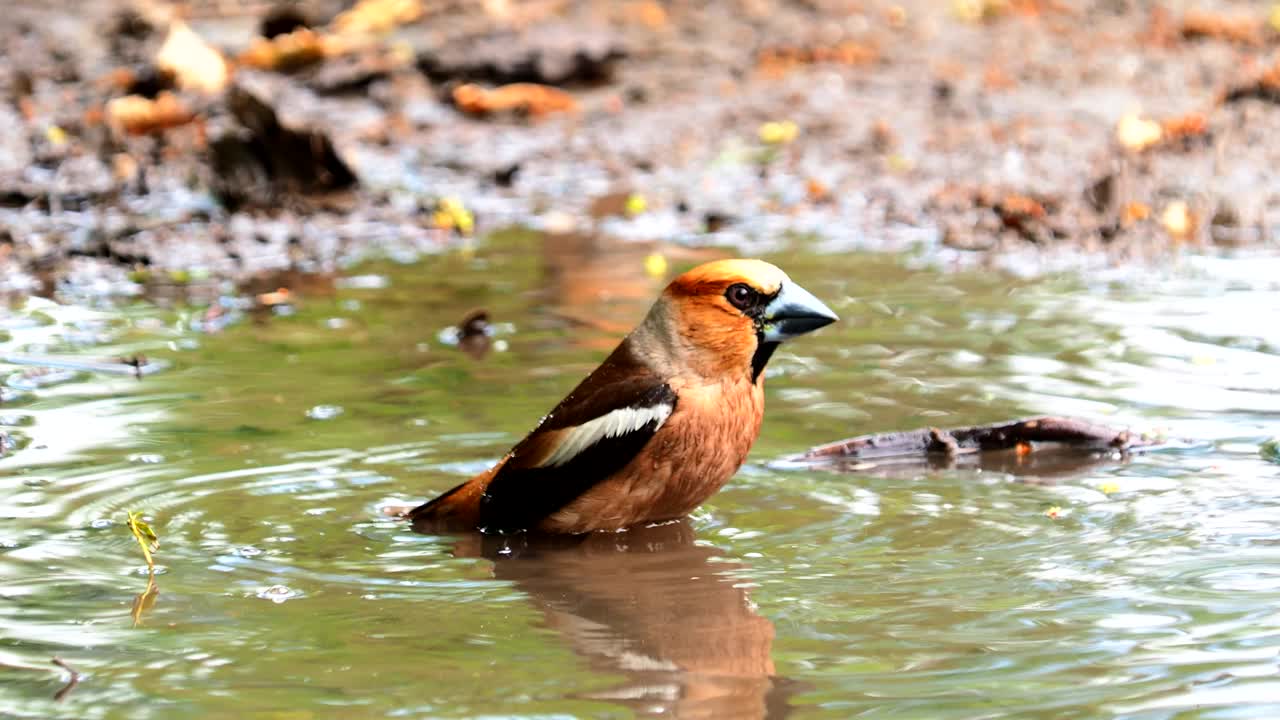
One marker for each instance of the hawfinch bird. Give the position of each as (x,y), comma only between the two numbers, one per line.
(659,427)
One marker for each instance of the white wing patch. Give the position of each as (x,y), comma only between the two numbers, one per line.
(613,424)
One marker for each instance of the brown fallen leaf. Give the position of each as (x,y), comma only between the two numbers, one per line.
(1236,28)
(1264,86)
(648,13)
(1134,212)
(1185,127)
(779,60)
(1014,206)
(523,98)
(286,52)
(817,191)
(279,296)
(136,115)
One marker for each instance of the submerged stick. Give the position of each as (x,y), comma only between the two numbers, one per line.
(136,365)
(1072,432)
(71,683)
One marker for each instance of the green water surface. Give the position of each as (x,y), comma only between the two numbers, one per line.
(264,454)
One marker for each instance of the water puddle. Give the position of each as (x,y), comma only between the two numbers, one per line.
(263,448)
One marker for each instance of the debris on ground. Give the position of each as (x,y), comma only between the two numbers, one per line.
(138,115)
(194,63)
(1265,86)
(1241,28)
(779,60)
(262,158)
(223,140)
(524,99)
(552,54)
(475,334)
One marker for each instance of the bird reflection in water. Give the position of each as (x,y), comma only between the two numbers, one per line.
(655,606)
(602,283)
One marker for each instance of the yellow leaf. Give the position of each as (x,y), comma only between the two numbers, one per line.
(195,63)
(56,135)
(636,204)
(655,265)
(145,536)
(778,133)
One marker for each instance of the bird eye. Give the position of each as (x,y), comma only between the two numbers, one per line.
(741,296)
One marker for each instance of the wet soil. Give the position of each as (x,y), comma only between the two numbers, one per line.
(985,130)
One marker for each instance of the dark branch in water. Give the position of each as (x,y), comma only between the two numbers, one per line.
(71,684)
(1071,432)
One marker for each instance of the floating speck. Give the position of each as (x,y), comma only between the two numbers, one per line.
(449,336)
(102,523)
(1271,450)
(146,458)
(336,323)
(278,593)
(247,551)
(324,412)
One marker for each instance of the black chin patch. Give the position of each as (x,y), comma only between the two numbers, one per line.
(764,351)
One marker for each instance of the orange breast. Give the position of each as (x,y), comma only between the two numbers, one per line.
(693,455)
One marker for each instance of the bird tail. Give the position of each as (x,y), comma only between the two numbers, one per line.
(457,509)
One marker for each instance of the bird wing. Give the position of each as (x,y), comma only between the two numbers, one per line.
(593,433)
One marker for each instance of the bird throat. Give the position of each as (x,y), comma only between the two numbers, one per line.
(764,351)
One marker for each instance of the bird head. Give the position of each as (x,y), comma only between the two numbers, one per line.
(730,315)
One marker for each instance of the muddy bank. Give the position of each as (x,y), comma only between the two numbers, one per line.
(983,129)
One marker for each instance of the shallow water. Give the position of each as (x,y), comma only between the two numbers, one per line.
(263,455)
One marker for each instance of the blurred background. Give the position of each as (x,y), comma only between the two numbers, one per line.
(230,138)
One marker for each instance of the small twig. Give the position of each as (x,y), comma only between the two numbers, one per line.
(135,365)
(1072,432)
(75,679)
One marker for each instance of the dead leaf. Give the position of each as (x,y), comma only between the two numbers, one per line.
(136,115)
(1185,127)
(194,63)
(1134,212)
(1237,28)
(376,16)
(286,52)
(779,60)
(524,98)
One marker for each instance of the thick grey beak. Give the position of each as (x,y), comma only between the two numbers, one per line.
(795,311)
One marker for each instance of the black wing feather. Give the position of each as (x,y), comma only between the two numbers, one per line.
(519,496)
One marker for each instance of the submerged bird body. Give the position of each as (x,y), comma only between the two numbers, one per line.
(660,426)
